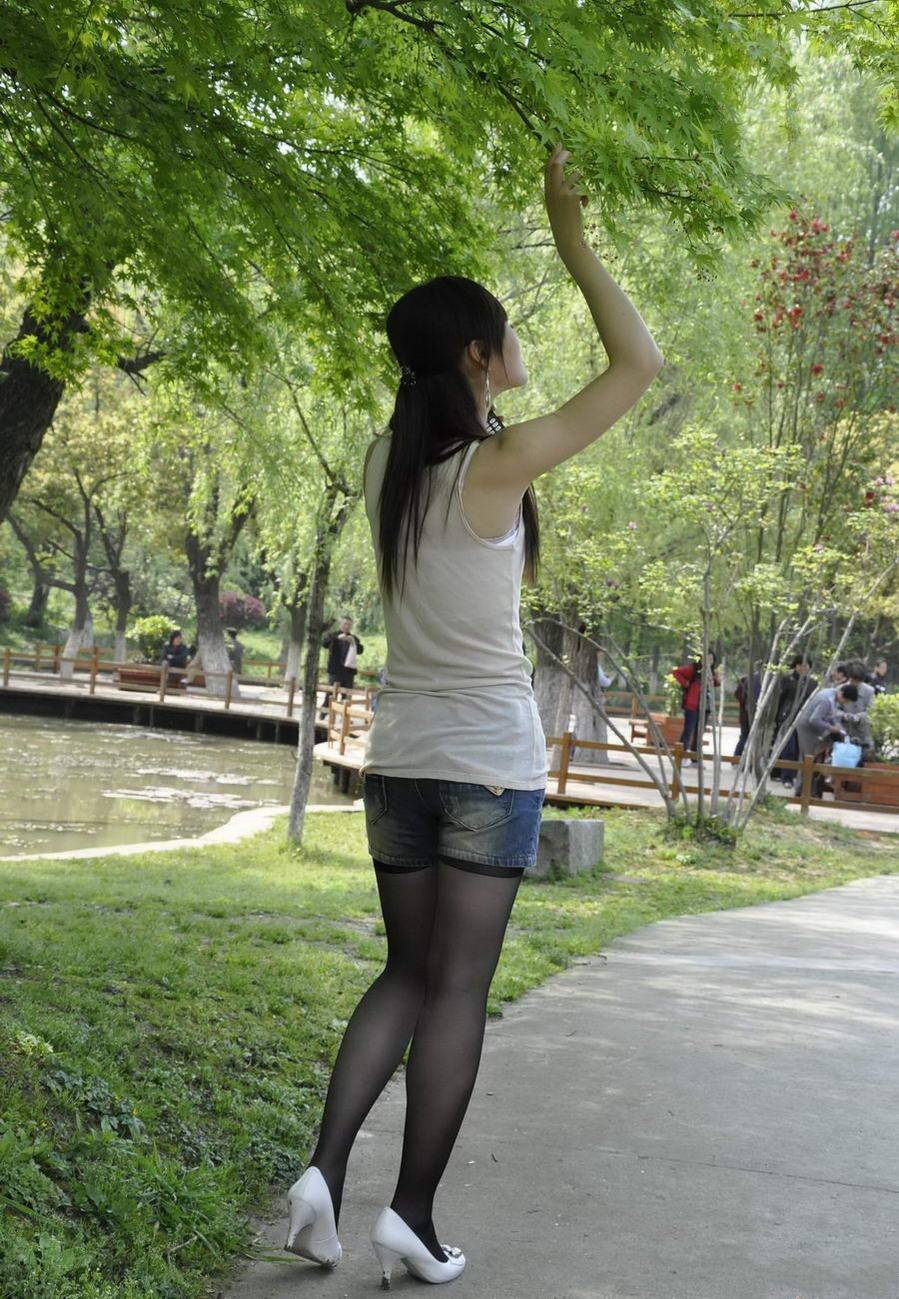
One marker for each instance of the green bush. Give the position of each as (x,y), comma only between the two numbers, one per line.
(151,635)
(884,717)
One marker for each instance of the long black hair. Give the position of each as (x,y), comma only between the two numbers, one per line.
(435,413)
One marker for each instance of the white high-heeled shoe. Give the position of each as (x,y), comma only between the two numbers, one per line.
(395,1242)
(312,1232)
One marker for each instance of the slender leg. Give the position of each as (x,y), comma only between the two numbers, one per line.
(382,1023)
(470,923)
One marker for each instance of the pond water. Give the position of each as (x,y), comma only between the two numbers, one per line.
(67,784)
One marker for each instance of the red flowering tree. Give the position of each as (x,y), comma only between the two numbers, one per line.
(241,610)
(824,382)
(825,312)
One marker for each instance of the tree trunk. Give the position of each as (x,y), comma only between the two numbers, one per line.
(314,619)
(113,531)
(81,633)
(552,687)
(588,725)
(211,648)
(302,777)
(550,682)
(284,651)
(205,566)
(40,584)
(654,670)
(37,609)
(295,634)
(123,598)
(28,401)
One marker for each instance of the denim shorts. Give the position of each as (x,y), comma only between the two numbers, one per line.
(416,822)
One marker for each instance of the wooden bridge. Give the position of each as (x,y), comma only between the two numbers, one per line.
(260,701)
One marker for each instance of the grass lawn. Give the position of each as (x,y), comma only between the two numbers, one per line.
(167,1023)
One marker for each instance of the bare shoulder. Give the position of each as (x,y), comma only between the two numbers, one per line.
(376,441)
(491,494)
(506,462)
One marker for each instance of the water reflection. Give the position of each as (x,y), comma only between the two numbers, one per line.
(67,784)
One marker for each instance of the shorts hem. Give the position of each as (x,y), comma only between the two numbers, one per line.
(514,862)
(390,860)
(482,868)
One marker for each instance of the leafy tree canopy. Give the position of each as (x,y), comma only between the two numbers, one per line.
(312,158)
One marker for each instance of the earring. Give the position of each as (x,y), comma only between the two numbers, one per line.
(494,423)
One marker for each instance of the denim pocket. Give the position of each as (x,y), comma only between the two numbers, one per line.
(474,807)
(374,794)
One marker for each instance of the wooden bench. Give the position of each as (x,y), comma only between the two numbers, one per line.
(876,782)
(146,676)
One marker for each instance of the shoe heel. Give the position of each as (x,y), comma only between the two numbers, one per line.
(301,1215)
(387,1258)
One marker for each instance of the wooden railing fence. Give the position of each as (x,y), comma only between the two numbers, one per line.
(341,726)
(160,680)
(807,766)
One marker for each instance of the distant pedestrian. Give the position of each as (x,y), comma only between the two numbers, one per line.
(689,677)
(878,678)
(175,654)
(344,649)
(839,675)
(819,724)
(794,689)
(856,722)
(747,697)
(235,650)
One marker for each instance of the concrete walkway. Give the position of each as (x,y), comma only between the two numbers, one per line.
(710,1111)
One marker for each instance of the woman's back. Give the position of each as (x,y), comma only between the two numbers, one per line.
(458,704)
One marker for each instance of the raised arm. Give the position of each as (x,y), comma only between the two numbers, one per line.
(522,452)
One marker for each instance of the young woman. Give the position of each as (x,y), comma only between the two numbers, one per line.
(455,769)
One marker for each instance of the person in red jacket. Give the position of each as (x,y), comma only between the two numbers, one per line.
(689,678)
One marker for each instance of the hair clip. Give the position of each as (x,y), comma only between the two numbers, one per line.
(407,375)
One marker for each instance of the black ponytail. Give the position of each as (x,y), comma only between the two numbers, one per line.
(435,414)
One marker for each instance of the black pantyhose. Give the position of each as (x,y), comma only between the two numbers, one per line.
(445,928)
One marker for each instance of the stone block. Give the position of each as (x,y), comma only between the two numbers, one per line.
(567,847)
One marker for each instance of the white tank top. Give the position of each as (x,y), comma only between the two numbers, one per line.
(458,703)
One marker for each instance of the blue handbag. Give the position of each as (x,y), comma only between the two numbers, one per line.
(845,754)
